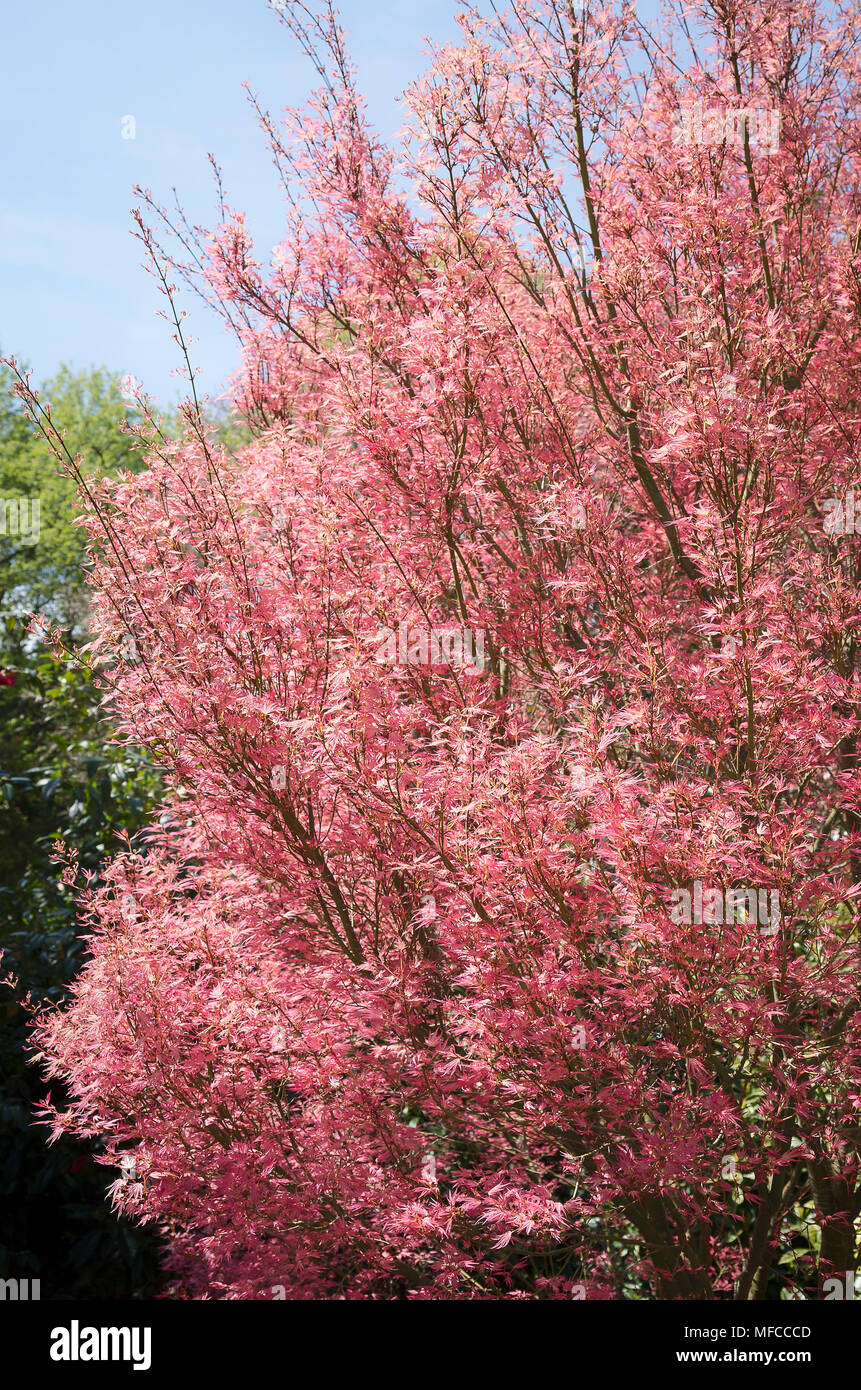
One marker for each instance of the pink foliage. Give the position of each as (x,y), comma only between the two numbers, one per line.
(399,999)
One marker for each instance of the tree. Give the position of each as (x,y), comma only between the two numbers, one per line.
(41,546)
(61,781)
(504,940)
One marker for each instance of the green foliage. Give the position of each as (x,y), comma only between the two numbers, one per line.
(61,779)
(87,407)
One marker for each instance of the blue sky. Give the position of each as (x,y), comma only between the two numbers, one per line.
(71,284)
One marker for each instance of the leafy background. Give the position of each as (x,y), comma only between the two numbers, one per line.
(61,779)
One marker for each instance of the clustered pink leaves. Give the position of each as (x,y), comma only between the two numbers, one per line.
(395,1004)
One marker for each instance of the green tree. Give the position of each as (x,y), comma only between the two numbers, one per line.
(61,779)
(41,565)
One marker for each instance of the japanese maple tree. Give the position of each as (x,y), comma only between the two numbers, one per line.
(451,978)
